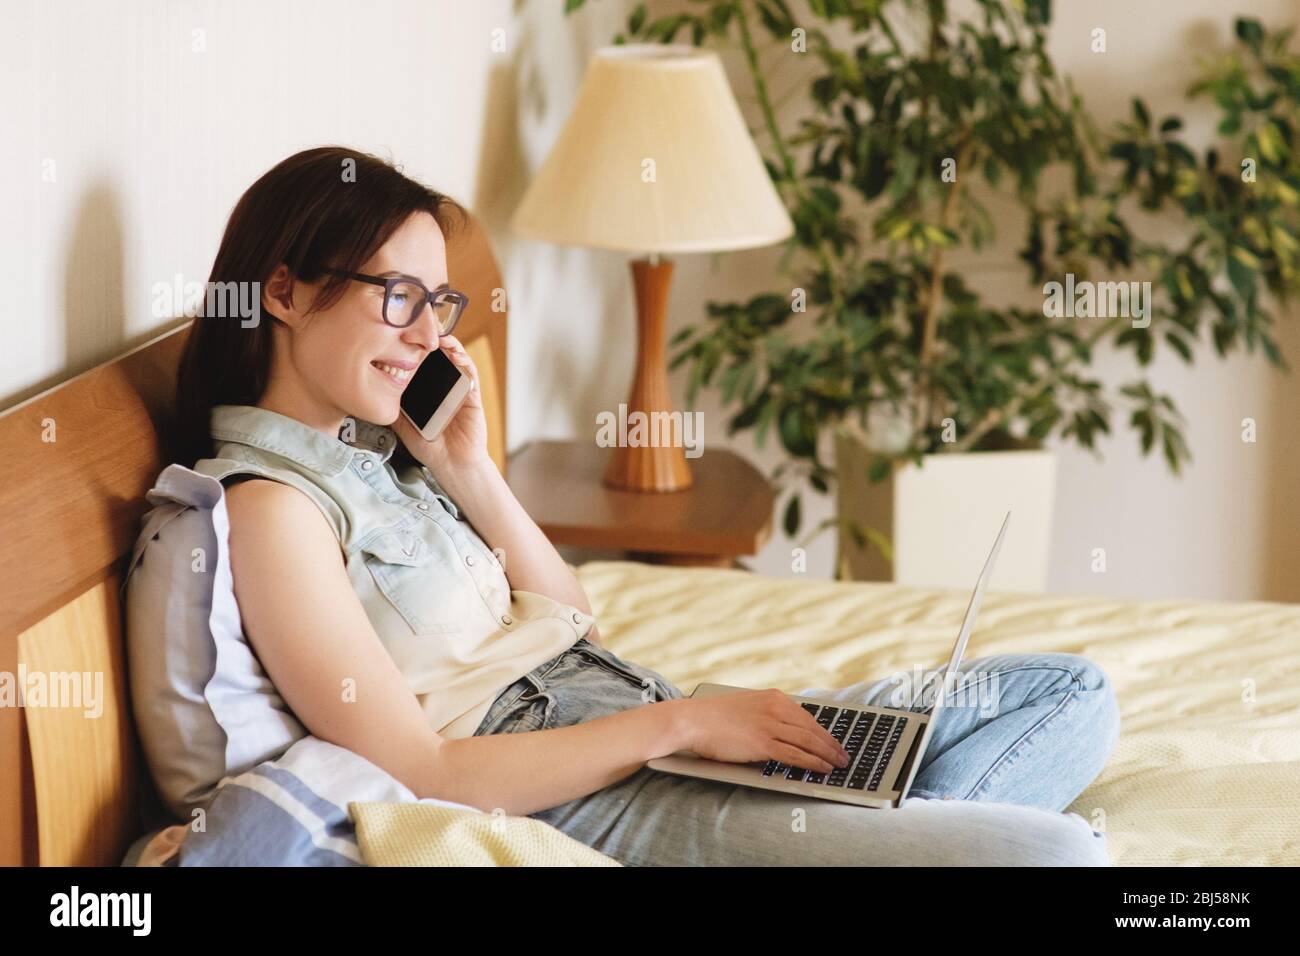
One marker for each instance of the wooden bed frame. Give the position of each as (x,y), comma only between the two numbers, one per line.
(72,784)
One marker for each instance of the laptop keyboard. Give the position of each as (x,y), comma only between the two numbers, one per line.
(869,738)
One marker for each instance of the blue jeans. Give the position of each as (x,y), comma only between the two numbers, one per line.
(1025,735)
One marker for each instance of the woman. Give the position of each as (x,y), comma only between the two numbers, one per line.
(407,608)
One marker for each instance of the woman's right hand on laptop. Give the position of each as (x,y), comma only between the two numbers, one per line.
(757,725)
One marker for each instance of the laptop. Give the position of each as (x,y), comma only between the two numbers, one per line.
(885,744)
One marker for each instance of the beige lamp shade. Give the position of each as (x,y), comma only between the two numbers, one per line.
(655,157)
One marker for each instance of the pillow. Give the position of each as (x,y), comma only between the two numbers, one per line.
(293,811)
(203,706)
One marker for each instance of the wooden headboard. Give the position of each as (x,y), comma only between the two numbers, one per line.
(70,509)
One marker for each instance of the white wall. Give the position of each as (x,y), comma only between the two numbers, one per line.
(1228,528)
(152,141)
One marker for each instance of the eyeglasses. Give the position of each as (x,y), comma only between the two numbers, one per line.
(404,300)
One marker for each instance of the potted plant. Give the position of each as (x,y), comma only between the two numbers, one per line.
(898,360)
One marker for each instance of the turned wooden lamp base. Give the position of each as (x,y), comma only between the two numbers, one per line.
(661,466)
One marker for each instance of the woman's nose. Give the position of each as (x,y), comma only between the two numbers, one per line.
(425,330)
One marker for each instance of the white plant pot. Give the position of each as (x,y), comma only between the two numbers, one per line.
(942,517)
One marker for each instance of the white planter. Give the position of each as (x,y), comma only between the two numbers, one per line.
(942,517)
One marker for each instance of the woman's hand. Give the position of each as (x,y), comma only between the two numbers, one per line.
(753,725)
(462,444)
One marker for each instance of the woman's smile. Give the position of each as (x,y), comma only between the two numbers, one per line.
(397,376)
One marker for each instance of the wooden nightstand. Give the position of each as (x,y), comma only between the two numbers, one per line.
(725,514)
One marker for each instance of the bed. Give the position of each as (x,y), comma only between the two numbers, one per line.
(1206,772)
(1207,767)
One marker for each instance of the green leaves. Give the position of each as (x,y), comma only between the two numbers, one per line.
(864,537)
(1250,32)
(1241,271)
(816,218)
(1157,421)
(887,175)
(775,16)
(798,432)
(879,468)
(1141,115)
(1179,345)
(1038,11)
(790,521)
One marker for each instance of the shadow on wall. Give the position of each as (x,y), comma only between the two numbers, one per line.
(1281,537)
(94,304)
(579,352)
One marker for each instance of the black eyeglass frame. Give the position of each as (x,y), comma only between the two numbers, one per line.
(460,299)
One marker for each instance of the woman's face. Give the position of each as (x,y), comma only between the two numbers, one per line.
(327,367)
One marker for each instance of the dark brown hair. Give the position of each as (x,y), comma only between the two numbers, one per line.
(321,208)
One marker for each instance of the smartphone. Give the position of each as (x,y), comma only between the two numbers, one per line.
(434,394)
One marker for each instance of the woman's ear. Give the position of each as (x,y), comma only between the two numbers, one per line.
(277,295)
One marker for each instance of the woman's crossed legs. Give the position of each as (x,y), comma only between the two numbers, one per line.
(1021,735)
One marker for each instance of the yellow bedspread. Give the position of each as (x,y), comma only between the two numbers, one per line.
(1207,768)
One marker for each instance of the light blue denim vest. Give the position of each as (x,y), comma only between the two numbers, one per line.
(437,596)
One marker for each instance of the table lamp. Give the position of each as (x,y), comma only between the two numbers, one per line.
(655,159)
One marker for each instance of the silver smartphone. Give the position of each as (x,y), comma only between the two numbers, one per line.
(434,394)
